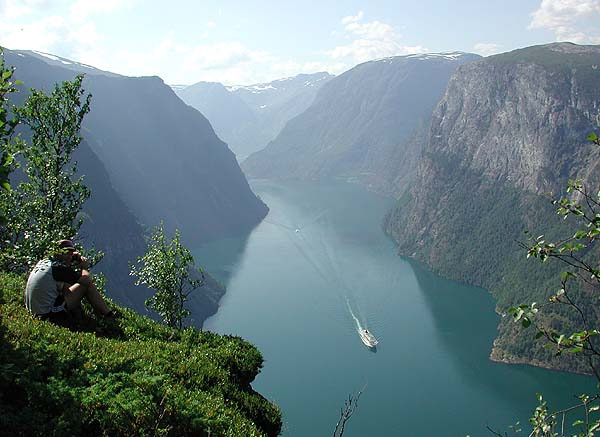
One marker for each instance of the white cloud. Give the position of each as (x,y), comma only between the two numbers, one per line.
(211,24)
(41,34)
(48,26)
(82,10)
(12,9)
(487,49)
(219,55)
(353,19)
(180,63)
(569,20)
(370,40)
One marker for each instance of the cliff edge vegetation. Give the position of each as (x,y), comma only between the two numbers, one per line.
(129,377)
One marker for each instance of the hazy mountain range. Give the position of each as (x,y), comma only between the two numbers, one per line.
(248,117)
(364,125)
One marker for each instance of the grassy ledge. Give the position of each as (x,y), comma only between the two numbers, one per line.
(129,377)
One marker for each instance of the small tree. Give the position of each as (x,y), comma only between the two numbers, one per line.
(47,205)
(8,123)
(167,267)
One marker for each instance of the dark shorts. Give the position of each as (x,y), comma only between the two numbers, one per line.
(61,317)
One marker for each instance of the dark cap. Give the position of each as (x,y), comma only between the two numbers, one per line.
(66,244)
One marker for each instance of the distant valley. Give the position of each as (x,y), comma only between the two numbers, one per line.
(248,117)
(471,147)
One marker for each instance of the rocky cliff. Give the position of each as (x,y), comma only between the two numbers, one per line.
(365,125)
(509,130)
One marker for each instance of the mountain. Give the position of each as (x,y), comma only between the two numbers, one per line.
(365,125)
(147,157)
(233,120)
(509,129)
(162,156)
(248,117)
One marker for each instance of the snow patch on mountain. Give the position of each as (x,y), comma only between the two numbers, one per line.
(63,60)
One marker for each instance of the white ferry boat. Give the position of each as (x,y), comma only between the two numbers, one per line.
(367,338)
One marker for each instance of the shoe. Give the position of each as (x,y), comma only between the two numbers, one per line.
(112,314)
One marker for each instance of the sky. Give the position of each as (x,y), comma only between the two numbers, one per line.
(243,42)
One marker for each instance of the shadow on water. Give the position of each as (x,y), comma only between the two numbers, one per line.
(220,258)
(466,325)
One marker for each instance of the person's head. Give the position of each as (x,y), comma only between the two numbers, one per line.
(65,251)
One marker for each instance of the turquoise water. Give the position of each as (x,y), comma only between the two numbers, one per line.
(318,266)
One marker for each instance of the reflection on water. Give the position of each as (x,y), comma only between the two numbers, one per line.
(317,268)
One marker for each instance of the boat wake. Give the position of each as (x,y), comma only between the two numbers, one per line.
(358,324)
(321,256)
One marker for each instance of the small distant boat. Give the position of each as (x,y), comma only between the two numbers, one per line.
(367,338)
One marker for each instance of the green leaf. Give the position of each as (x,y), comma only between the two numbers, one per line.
(592,137)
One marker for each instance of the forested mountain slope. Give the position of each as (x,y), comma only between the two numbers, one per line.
(365,125)
(509,130)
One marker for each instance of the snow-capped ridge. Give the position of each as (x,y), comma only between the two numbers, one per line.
(451,56)
(63,60)
(259,87)
(278,83)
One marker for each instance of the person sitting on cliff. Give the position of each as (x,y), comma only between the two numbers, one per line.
(56,286)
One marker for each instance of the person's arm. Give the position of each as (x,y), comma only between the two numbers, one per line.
(81,261)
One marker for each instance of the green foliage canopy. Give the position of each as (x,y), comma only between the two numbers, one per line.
(8,123)
(167,267)
(46,206)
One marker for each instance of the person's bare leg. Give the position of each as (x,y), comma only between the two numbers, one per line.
(85,287)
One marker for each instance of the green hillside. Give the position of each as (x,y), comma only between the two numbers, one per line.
(129,377)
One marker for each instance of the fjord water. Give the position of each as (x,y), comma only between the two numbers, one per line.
(293,286)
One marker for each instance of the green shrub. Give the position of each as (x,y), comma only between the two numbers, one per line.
(130,377)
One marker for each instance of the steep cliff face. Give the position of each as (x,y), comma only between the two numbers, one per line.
(111,227)
(162,156)
(509,130)
(365,125)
